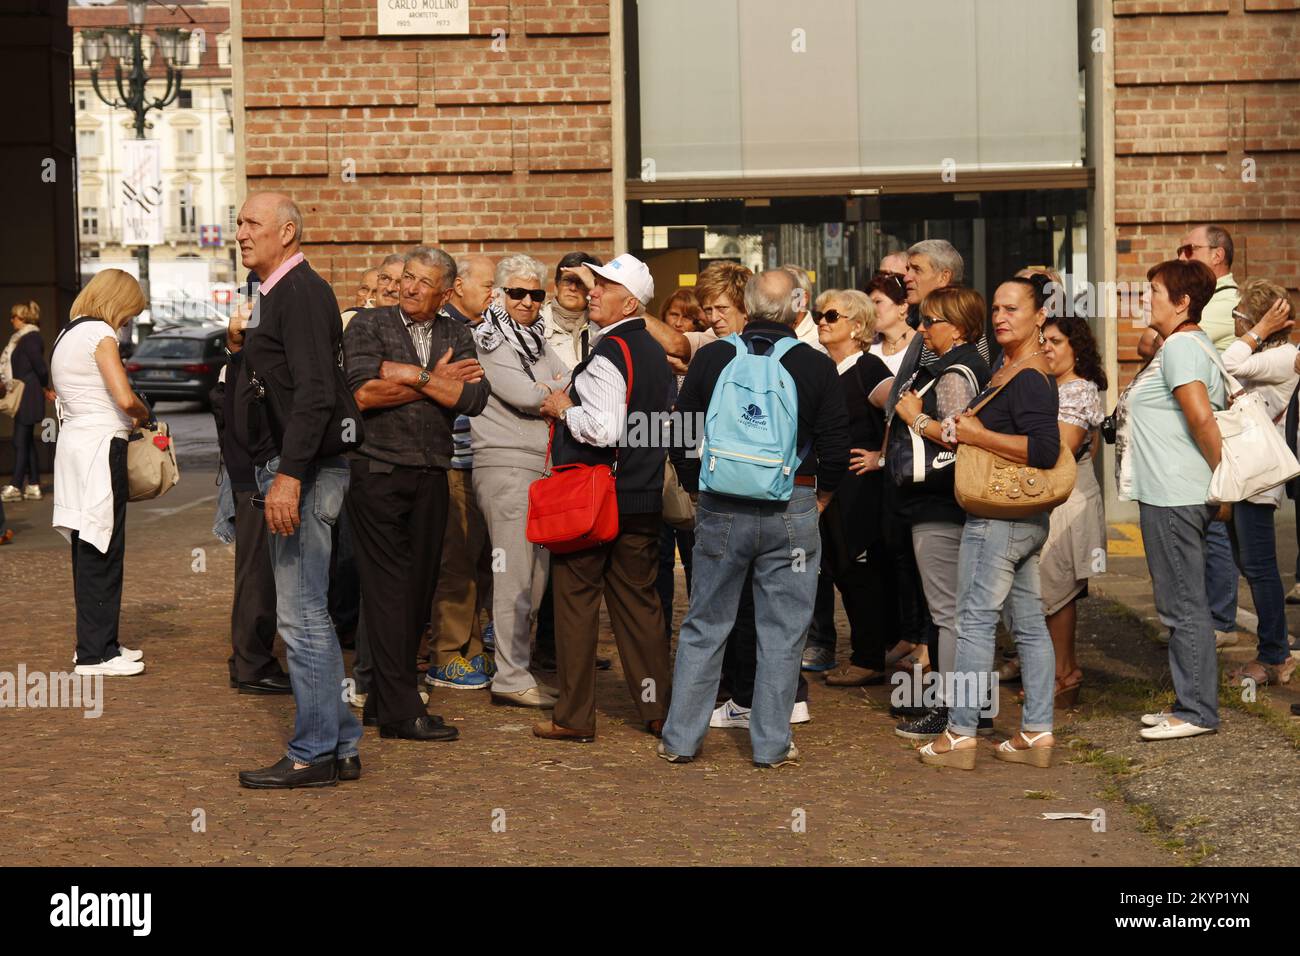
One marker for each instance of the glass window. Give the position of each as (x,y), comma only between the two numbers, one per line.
(89,221)
(187,140)
(170,347)
(185,99)
(186,212)
(87,143)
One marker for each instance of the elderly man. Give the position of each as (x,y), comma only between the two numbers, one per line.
(366,290)
(590,424)
(775,542)
(895,262)
(296,420)
(805,328)
(388,283)
(413,370)
(465,581)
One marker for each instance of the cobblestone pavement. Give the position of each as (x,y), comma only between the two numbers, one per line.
(134,785)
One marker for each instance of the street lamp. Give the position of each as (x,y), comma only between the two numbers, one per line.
(125,46)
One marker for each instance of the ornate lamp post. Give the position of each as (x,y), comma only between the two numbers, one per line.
(125,46)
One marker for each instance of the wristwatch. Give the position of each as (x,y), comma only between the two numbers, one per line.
(1258,341)
(424,377)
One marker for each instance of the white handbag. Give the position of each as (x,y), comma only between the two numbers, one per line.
(1255,457)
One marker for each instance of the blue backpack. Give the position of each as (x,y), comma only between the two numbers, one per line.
(751,428)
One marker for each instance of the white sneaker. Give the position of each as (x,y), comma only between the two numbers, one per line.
(1224,639)
(1152,720)
(32,492)
(730,714)
(127,654)
(800,713)
(10,493)
(117,667)
(1167,731)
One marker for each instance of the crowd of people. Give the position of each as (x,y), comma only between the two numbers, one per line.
(377,468)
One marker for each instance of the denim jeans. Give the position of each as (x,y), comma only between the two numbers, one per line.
(1221,577)
(781,542)
(997,566)
(1175,540)
(324,727)
(1257,544)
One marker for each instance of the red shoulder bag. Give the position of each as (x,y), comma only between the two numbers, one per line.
(574,507)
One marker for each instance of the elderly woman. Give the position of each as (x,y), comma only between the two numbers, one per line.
(510,447)
(23,361)
(952,322)
(1167,447)
(888,293)
(999,557)
(851,524)
(97,410)
(1264,361)
(1076,535)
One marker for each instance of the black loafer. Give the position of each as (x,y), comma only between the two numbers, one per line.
(282,776)
(603,663)
(419,728)
(349,768)
(275,684)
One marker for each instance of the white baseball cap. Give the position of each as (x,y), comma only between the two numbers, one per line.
(631,273)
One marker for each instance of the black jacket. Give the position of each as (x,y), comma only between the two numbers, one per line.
(823,418)
(295,348)
(30,369)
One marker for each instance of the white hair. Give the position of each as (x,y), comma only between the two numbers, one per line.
(519,266)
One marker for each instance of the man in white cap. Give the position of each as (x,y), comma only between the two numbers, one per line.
(626,377)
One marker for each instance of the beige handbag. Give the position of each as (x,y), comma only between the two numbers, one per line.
(151,462)
(12,398)
(679,510)
(989,486)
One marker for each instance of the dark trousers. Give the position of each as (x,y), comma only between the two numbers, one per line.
(671,542)
(546,622)
(868,603)
(252,614)
(623,573)
(27,470)
(740,659)
(345,585)
(398,519)
(821,632)
(97,578)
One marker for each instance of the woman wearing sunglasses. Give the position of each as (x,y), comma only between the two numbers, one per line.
(510,442)
(853,555)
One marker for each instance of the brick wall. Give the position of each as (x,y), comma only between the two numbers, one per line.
(1202,87)
(496,142)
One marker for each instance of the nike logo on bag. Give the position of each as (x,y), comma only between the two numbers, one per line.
(943,460)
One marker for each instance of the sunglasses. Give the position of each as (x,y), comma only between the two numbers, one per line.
(1187,250)
(516,295)
(830,316)
(929,320)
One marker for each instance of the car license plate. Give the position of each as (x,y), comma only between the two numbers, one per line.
(160,373)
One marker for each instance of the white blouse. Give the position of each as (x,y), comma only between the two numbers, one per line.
(1269,373)
(89,420)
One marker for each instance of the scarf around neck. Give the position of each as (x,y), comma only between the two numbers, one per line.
(498,327)
(7,356)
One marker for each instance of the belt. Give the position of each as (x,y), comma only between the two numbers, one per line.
(808,480)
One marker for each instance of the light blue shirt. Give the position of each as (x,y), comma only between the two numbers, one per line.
(1159,460)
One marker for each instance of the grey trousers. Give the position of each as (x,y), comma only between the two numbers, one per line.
(937,546)
(1175,540)
(519,570)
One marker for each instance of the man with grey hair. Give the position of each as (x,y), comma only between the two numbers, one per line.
(895,262)
(775,541)
(805,328)
(412,369)
(388,284)
(297,419)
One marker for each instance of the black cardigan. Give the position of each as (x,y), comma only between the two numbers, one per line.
(30,368)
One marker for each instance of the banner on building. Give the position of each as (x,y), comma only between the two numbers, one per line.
(141,193)
(420,17)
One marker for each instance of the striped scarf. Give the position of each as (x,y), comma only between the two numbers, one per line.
(497,327)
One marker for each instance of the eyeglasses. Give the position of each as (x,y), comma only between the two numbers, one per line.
(516,295)
(830,316)
(1185,252)
(929,320)
(1241,316)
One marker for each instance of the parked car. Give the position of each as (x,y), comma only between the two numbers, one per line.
(178,365)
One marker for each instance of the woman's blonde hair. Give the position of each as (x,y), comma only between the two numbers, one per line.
(28,313)
(112,295)
(861,313)
(1257,297)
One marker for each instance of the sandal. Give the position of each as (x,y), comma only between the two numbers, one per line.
(962,759)
(1264,674)
(1010,670)
(1031,753)
(919,658)
(898,652)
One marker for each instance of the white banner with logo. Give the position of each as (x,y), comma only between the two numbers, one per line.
(423,17)
(141,193)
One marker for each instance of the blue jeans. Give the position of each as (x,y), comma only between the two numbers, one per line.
(780,541)
(1257,544)
(1221,577)
(324,727)
(997,566)
(1175,540)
